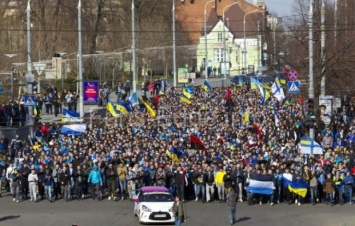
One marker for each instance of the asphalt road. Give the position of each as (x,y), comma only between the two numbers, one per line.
(92,212)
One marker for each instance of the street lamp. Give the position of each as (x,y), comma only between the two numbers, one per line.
(80,59)
(12,75)
(134,82)
(259,42)
(281,57)
(224,40)
(174,45)
(274,57)
(245,42)
(206,50)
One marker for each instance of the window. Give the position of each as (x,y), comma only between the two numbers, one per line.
(218,55)
(220,37)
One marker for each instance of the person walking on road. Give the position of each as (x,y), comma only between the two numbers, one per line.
(232,205)
(96,180)
(179,211)
(32,181)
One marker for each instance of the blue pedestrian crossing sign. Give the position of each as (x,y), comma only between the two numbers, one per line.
(29,101)
(293,86)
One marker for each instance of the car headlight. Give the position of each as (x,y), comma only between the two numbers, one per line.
(146,209)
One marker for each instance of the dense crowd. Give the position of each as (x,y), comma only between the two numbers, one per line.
(237,135)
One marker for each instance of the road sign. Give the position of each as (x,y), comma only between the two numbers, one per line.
(39,67)
(293,86)
(292,75)
(29,101)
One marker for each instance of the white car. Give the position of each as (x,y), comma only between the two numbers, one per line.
(154,205)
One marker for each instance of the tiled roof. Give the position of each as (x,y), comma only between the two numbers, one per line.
(191,17)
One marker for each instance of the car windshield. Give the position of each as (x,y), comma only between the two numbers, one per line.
(157,198)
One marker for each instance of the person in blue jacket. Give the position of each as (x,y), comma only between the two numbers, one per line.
(96,180)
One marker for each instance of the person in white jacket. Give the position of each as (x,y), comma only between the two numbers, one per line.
(32,183)
(9,176)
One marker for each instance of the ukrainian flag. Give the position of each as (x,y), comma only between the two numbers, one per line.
(189,89)
(113,111)
(266,86)
(121,107)
(184,99)
(298,187)
(280,81)
(161,93)
(265,94)
(254,83)
(152,113)
(186,94)
(206,86)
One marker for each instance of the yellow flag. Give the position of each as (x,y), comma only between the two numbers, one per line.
(112,110)
(246,117)
(151,111)
(122,109)
(186,94)
(183,99)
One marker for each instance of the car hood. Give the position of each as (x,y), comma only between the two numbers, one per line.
(158,206)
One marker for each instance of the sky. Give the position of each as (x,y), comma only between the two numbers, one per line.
(281,7)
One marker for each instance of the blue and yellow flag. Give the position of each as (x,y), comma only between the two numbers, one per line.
(113,111)
(298,187)
(206,86)
(186,94)
(121,107)
(280,81)
(151,111)
(184,99)
(254,83)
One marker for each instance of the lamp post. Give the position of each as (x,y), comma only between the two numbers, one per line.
(245,42)
(311,63)
(12,75)
(259,42)
(224,40)
(134,50)
(206,48)
(80,63)
(274,56)
(174,45)
(29,78)
(281,57)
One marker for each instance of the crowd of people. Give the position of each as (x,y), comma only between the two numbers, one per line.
(234,137)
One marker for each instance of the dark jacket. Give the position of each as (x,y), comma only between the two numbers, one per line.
(228,180)
(209,177)
(63,178)
(232,199)
(111,174)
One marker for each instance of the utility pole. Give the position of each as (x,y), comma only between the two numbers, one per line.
(322,43)
(206,47)
(174,46)
(134,50)
(80,58)
(310,42)
(335,23)
(29,76)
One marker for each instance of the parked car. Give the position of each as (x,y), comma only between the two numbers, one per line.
(154,204)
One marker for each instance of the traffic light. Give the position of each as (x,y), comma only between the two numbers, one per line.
(310,107)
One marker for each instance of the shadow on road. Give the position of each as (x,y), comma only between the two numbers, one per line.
(9,218)
(242,219)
